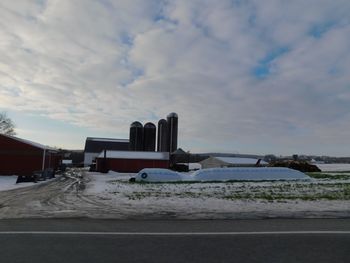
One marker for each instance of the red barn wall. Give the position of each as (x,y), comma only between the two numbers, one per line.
(19,158)
(19,164)
(128,165)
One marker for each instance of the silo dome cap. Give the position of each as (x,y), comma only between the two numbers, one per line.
(136,124)
(150,125)
(172,115)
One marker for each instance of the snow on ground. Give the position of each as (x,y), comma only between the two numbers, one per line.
(334,167)
(79,193)
(313,198)
(8,182)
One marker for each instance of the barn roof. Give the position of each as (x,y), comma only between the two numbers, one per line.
(135,155)
(106,139)
(96,145)
(34,144)
(179,151)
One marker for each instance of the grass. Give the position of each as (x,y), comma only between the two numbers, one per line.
(271,193)
(344,194)
(325,186)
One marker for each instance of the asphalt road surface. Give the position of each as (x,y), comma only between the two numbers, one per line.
(86,240)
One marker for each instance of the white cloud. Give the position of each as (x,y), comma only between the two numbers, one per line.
(106,63)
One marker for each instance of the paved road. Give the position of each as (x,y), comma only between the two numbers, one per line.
(85,240)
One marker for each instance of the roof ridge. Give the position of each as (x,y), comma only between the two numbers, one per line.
(34,144)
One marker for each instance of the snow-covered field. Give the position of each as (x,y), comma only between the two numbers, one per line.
(317,197)
(79,193)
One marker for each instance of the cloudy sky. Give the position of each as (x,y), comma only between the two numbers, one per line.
(250,76)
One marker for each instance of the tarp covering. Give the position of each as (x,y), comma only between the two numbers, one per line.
(222,174)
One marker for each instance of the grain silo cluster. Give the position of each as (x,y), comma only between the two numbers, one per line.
(143,138)
(147,147)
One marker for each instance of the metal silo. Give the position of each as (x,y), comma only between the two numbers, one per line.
(149,137)
(163,138)
(172,120)
(136,136)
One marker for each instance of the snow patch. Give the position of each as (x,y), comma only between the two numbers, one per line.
(334,167)
(8,182)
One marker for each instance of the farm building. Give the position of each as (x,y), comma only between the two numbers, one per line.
(215,161)
(23,157)
(94,146)
(131,162)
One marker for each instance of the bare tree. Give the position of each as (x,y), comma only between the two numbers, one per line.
(6,125)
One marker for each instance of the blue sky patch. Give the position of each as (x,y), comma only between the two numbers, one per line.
(317,31)
(262,70)
(126,39)
(136,73)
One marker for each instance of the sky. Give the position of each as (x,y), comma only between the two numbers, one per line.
(264,77)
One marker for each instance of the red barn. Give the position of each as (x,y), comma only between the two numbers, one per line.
(130,161)
(23,157)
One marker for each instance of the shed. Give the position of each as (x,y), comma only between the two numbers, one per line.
(215,161)
(131,161)
(23,157)
(94,146)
